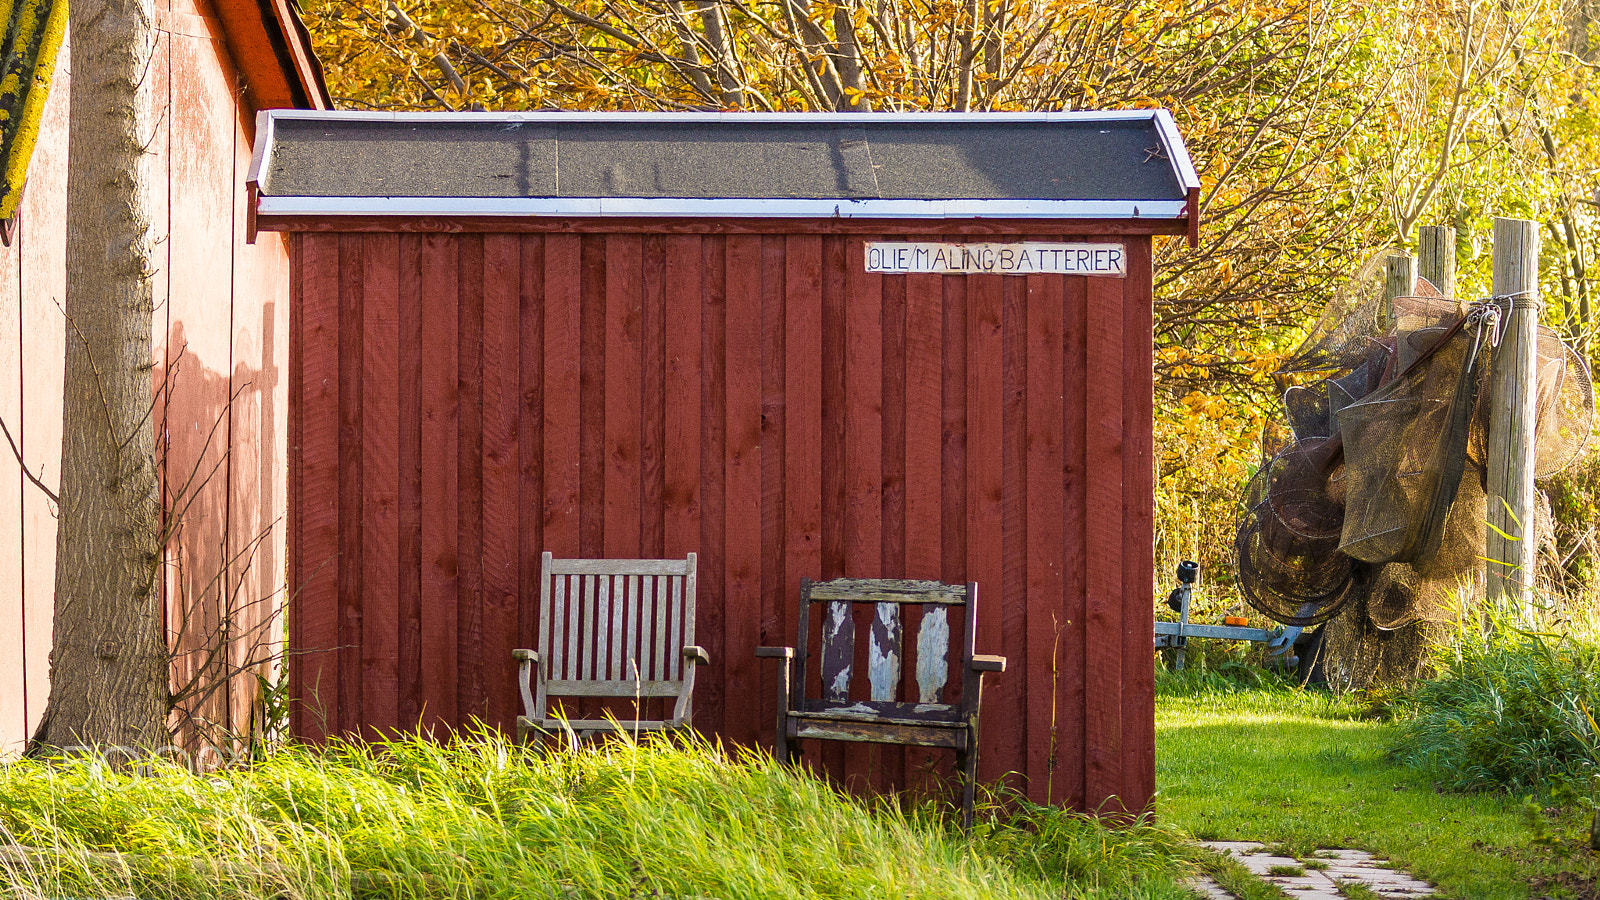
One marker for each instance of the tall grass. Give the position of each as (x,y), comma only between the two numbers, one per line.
(481,817)
(1511,707)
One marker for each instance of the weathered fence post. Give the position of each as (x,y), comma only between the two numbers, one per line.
(1509,550)
(1437,252)
(1400,281)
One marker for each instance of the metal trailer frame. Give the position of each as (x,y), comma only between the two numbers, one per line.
(1175,636)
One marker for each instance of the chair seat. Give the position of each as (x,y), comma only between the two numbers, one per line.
(552,725)
(847,716)
(917,734)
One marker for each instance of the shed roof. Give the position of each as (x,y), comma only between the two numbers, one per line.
(1035,165)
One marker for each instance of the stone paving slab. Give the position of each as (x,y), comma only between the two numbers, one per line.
(1318,884)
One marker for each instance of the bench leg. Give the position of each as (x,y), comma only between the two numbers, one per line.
(969,780)
(780,749)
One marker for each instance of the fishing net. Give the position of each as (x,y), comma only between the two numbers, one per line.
(1375,504)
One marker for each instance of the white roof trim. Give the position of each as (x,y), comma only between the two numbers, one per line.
(1167,128)
(261,153)
(1126,115)
(646,207)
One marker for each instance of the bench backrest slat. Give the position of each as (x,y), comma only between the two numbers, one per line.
(838,651)
(933,663)
(883,655)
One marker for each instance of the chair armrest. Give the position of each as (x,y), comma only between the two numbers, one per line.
(775,652)
(988,664)
(527,662)
(697,655)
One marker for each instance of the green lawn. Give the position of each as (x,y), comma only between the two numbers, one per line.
(1308,770)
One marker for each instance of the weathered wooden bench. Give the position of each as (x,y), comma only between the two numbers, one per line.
(610,629)
(884,714)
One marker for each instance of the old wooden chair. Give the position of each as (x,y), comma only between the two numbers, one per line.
(611,628)
(887,717)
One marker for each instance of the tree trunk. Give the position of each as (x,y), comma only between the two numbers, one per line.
(109,669)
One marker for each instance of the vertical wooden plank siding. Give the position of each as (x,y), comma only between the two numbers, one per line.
(1005,699)
(682,396)
(1104,600)
(984,471)
(1046,550)
(500,528)
(593,344)
(763,401)
(652,405)
(1075,377)
(742,495)
(622,392)
(409,597)
(470,691)
(380,485)
(711,611)
(316,632)
(924,359)
(352,328)
(774,426)
(1138,573)
(562,312)
(439,497)
(528,430)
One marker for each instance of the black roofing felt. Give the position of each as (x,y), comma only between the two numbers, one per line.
(1094,159)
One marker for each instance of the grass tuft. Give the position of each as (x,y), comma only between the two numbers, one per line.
(1511,709)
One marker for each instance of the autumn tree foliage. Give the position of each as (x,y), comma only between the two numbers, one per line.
(1323,131)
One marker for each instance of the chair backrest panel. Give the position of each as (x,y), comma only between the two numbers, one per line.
(838,650)
(607,626)
(897,606)
(933,654)
(884,652)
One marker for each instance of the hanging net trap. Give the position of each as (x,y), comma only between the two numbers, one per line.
(1376,494)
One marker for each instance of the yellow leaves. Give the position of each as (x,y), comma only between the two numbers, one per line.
(1262,365)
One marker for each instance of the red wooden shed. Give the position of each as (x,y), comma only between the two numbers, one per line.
(798,345)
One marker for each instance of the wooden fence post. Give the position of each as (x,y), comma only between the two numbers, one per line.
(1437,246)
(1400,281)
(1509,550)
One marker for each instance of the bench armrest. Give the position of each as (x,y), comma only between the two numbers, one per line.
(529,655)
(775,652)
(697,655)
(988,664)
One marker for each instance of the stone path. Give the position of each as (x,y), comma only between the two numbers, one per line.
(1318,878)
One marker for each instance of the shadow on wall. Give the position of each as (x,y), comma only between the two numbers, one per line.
(221,581)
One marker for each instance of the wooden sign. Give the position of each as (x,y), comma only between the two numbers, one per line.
(1019,258)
